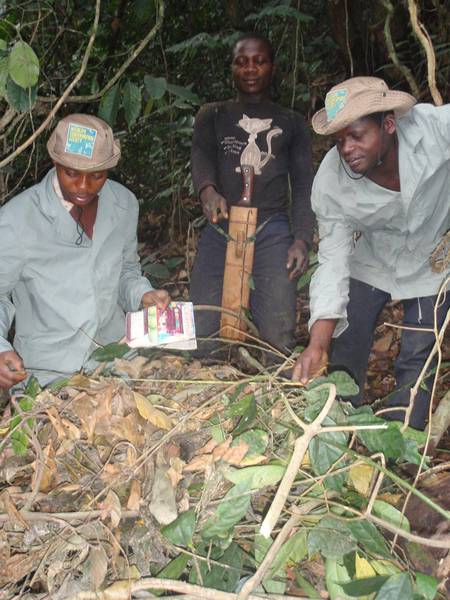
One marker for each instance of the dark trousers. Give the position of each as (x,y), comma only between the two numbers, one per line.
(273,299)
(351,349)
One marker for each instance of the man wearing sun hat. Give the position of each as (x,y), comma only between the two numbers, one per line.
(69,266)
(381,196)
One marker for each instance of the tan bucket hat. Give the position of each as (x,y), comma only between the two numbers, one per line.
(356,98)
(85,143)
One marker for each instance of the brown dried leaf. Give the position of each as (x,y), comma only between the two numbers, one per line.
(134,499)
(111,508)
(98,566)
(20,565)
(199,463)
(383,343)
(50,475)
(12,511)
(221,449)
(235,454)
(155,416)
(133,367)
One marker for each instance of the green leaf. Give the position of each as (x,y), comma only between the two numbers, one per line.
(323,454)
(20,99)
(180,531)
(345,385)
(363,587)
(426,586)
(292,551)
(397,586)
(3,76)
(174,261)
(369,538)
(257,477)
(23,65)
(390,514)
(230,511)
(389,441)
(19,442)
(218,576)
(110,352)
(335,576)
(109,105)
(155,86)
(32,389)
(256,439)
(251,282)
(184,93)
(132,102)
(332,538)
(157,270)
(3,45)
(305,278)
(143,9)
(245,408)
(172,570)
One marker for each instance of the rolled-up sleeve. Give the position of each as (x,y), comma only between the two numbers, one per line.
(329,287)
(132,285)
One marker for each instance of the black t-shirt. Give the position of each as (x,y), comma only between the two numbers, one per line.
(267,135)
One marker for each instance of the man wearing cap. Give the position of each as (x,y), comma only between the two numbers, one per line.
(381,196)
(69,265)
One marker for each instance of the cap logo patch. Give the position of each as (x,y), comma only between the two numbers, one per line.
(335,102)
(80,140)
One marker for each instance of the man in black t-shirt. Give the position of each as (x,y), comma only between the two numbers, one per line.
(279,143)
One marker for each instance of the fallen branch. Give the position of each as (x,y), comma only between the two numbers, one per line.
(123,589)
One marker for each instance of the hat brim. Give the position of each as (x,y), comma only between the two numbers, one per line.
(399,102)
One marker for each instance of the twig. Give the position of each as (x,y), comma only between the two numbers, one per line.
(300,448)
(154,583)
(133,55)
(64,96)
(425,40)
(392,52)
(285,532)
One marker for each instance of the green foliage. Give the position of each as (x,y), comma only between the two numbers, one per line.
(23,65)
(180,531)
(230,511)
(332,538)
(257,477)
(110,352)
(19,98)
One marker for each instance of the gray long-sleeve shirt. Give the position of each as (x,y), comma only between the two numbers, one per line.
(66,297)
(277,139)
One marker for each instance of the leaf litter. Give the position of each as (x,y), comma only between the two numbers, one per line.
(160,480)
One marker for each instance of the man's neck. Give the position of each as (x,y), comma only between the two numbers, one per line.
(387,174)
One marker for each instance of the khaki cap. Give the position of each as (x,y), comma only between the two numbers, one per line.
(356,98)
(85,143)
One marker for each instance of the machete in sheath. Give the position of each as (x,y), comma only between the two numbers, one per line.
(239,260)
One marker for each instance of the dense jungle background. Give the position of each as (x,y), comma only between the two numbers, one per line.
(156,478)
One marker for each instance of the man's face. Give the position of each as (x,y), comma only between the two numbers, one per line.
(252,67)
(363,143)
(80,187)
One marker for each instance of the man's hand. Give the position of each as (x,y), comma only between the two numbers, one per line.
(297,259)
(11,369)
(159,297)
(314,359)
(214,205)
(311,362)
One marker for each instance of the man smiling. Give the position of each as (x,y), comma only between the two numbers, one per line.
(278,143)
(69,265)
(381,197)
